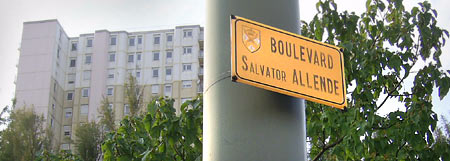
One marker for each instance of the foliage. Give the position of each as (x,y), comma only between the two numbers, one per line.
(3,119)
(107,115)
(159,134)
(88,140)
(24,136)
(442,135)
(382,48)
(134,95)
(63,155)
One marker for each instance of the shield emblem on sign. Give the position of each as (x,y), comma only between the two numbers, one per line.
(251,39)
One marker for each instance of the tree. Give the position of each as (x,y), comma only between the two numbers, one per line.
(134,95)
(442,136)
(24,136)
(159,134)
(107,115)
(63,155)
(88,141)
(3,119)
(383,47)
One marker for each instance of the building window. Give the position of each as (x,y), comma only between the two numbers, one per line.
(85,92)
(111,76)
(86,75)
(185,99)
(129,72)
(131,41)
(156,39)
(57,52)
(70,96)
(138,74)
(126,109)
(110,73)
(138,56)
(155,56)
(110,91)
(89,42)
(84,109)
(110,106)
(139,39)
(71,78)
(67,130)
(169,37)
(187,83)
(187,33)
(113,40)
(187,50)
(65,146)
(112,57)
(72,62)
(168,90)
(51,122)
(187,67)
(88,59)
(68,112)
(155,72)
(155,89)
(168,71)
(169,54)
(130,58)
(74,46)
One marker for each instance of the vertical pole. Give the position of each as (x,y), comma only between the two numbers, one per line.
(242,122)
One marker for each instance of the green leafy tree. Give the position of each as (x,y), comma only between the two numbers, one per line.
(442,135)
(63,155)
(382,48)
(134,95)
(159,134)
(107,115)
(23,138)
(88,141)
(3,118)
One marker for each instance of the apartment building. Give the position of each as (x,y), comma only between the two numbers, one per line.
(65,78)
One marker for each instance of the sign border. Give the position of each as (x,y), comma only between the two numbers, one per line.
(237,19)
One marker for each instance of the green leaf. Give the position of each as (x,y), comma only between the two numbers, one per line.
(444,87)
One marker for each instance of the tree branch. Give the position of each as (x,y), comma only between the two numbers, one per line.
(398,95)
(325,148)
(392,91)
(404,77)
(398,150)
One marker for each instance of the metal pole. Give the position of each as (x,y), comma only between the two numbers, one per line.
(242,122)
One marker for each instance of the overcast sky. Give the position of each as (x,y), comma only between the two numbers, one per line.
(86,16)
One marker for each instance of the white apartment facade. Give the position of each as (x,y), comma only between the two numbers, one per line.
(65,78)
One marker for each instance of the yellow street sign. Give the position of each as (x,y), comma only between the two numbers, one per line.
(284,62)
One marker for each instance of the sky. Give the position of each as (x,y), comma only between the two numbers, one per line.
(85,16)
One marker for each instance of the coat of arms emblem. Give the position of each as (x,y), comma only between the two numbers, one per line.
(251,38)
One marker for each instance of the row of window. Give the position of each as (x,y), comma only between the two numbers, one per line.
(155,73)
(84,109)
(132,40)
(112,56)
(110,90)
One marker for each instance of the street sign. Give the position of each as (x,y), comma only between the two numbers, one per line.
(284,62)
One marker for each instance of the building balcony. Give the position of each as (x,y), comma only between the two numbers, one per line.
(200,88)
(200,73)
(201,42)
(201,57)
